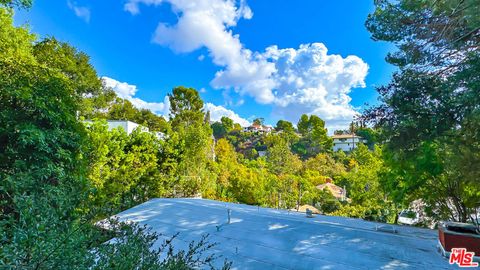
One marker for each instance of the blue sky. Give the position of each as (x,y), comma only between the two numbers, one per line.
(271,59)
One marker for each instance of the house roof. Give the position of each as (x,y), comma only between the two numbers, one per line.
(336,191)
(257,126)
(265,238)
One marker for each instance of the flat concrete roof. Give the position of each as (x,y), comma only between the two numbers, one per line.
(264,238)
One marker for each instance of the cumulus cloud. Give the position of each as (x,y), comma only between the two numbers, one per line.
(309,80)
(80,11)
(293,80)
(128,91)
(207,23)
(217,112)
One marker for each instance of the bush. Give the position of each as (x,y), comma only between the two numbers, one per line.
(136,247)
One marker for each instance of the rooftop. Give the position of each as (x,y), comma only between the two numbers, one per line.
(336,191)
(264,238)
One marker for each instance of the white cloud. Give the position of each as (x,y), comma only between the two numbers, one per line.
(80,11)
(216,113)
(295,81)
(128,91)
(308,80)
(132,5)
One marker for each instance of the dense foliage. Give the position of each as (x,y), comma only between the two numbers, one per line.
(62,168)
(59,177)
(429,112)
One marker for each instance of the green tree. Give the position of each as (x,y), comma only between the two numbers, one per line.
(426,108)
(281,159)
(41,172)
(155,123)
(227,123)
(73,64)
(326,202)
(370,135)
(287,131)
(286,166)
(325,165)
(237,127)
(237,181)
(431,36)
(218,130)
(314,138)
(285,126)
(93,97)
(258,121)
(122,109)
(222,128)
(15,43)
(194,141)
(99,105)
(186,106)
(195,147)
(123,167)
(364,187)
(228,164)
(303,125)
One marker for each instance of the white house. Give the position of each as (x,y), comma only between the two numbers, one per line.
(130,126)
(258,128)
(126,125)
(346,142)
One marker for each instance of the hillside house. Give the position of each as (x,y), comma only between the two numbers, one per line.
(126,125)
(346,142)
(338,192)
(258,128)
(129,127)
